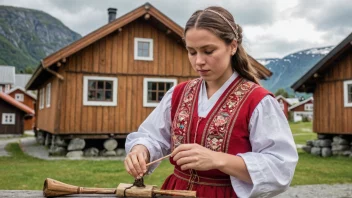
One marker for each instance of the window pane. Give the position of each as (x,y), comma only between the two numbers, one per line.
(145,53)
(150,84)
(153,86)
(149,97)
(100,84)
(108,85)
(146,46)
(108,95)
(140,52)
(91,95)
(91,84)
(153,96)
(100,95)
(161,86)
(349,88)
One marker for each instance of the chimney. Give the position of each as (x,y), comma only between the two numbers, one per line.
(112,14)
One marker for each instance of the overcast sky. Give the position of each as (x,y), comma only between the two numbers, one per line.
(272,28)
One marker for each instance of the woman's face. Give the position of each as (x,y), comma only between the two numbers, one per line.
(209,55)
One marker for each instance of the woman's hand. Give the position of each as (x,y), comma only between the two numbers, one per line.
(135,161)
(195,156)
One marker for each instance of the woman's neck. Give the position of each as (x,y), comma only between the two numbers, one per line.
(213,86)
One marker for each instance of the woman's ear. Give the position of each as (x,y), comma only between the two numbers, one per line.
(234,45)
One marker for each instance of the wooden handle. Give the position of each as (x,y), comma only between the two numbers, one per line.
(182,193)
(54,188)
(158,160)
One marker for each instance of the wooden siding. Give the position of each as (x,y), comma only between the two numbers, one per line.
(17,128)
(46,117)
(29,101)
(113,56)
(330,115)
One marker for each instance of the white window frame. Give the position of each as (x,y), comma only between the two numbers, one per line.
(136,57)
(100,103)
(345,92)
(3,121)
(19,97)
(308,107)
(41,98)
(145,89)
(48,95)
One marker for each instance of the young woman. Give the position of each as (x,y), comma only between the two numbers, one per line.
(227,134)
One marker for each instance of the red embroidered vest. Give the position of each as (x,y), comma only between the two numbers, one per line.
(224,129)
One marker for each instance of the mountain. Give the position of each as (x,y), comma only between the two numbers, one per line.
(27,36)
(290,68)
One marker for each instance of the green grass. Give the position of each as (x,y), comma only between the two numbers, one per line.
(22,172)
(302,131)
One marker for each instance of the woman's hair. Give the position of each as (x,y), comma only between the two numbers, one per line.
(221,23)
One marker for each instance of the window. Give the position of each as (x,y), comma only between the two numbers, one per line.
(19,97)
(347,92)
(143,49)
(308,107)
(8,118)
(154,90)
(1,88)
(41,98)
(48,94)
(99,91)
(282,105)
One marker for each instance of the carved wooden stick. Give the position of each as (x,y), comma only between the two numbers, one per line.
(53,188)
(158,160)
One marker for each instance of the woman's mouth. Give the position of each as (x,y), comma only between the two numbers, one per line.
(203,72)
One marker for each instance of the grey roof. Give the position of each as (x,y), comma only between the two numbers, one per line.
(22,79)
(7,74)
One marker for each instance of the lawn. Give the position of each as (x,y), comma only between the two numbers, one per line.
(302,131)
(23,172)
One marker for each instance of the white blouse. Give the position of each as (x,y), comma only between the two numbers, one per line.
(270,164)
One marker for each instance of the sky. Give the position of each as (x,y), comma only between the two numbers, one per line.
(271,28)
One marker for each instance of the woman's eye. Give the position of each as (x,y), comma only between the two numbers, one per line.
(209,52)
(192,53)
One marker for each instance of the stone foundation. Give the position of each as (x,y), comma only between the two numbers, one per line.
(330,145)
(77,147)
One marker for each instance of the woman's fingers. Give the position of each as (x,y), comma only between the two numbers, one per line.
(186,160)
(142,159)
(130,167)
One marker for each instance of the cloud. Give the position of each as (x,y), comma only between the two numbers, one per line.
(272,28)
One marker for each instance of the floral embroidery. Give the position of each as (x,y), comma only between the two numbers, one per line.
(181,123)
(219,123)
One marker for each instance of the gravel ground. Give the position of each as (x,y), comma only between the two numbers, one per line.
(29,146)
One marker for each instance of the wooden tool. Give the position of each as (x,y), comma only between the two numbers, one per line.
(158,160)
(53,188)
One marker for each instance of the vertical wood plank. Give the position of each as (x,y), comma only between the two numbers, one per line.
(125,49)
(96,50)
(108,51)
(122,110)
(161,52)
(72,89)
(80,114)
(63,96)
(102,57)
(129,104)
(114,54)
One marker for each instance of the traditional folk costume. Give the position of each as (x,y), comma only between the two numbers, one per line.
(241,118)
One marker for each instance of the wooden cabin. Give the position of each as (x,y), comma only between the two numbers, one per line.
(302,110)
(330,81)
(28,99)
(109,81)
(285,103)
(12,115)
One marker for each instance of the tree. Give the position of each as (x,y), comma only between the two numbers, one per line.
(282,92)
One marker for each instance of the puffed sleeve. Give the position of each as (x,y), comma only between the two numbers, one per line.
(272,161)
(154,132)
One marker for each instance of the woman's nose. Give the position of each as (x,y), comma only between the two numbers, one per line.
(200,59)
